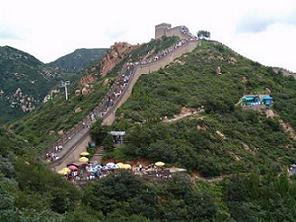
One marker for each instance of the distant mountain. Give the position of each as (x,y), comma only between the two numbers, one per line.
(78,60)
(24,81)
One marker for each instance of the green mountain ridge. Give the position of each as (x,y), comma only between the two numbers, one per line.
(248,151)
(25,81)
(78,60)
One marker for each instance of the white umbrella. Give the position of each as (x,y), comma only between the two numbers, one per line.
(111,165)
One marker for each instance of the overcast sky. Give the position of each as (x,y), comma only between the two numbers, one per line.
(263,30)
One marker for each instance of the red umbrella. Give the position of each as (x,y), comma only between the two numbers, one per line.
(72,167)
(74,164)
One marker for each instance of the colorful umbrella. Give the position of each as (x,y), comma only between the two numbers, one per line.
(67,170)
(72,167)
(126,166)
(62,172)
(84,154)
(120,165)
(83,159)
(159,164)
(111,165)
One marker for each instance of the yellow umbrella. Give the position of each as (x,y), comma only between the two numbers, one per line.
(84,154)
(62,172)
(126,166)
(159,164)
(67,170)
(120,165)
(83,159)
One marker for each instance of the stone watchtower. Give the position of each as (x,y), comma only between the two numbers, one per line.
(161,30)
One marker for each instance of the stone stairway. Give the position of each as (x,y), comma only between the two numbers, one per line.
(97,157)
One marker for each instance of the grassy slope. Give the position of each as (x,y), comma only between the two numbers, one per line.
(59,114)
(78,60)
(29,192)
(195,84)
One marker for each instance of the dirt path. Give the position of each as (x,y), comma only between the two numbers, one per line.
(183,115)
(285,126)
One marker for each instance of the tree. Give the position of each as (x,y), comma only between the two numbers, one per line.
(202,34)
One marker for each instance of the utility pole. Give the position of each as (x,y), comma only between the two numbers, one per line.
(65,84)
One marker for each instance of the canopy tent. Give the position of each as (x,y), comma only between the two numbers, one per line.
(72,164)
(73,167)
(64,171)
(84,154)
(159,164)
(117,133)
(120,165)
(83,159)
(111,165)
(126,166)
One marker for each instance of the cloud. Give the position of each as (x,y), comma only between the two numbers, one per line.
(254,24)
(49,29)
(257,22)
(115,35)
(6,33)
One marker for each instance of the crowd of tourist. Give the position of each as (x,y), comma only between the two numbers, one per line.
(186,32)
(86,172)
(113,96)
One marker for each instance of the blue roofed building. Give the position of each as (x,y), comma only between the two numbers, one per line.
(266,100)
(256,101)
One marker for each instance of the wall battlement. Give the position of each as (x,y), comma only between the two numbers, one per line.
(165,29)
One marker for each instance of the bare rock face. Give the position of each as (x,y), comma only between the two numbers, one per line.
(84,91)
(221,135)
(106,82)
(77,92)
(270,114)
(232,60)
(218,70)
(116,53)
(78,110)
(88,79)
(61,132)
(185,110)
(201,127)
(244,80)
(25,102)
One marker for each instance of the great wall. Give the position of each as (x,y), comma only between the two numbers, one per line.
(76,139)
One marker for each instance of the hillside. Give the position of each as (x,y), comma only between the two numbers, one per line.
(184,115)
(78,60)
(249,137)
(24,81)
(61,116)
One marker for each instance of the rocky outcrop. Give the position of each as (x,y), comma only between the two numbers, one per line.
(86,84)
(25,102)
(283,71)
(116,53)
(87,79)
(78,110)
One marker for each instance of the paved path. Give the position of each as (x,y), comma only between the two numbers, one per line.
(80,133)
